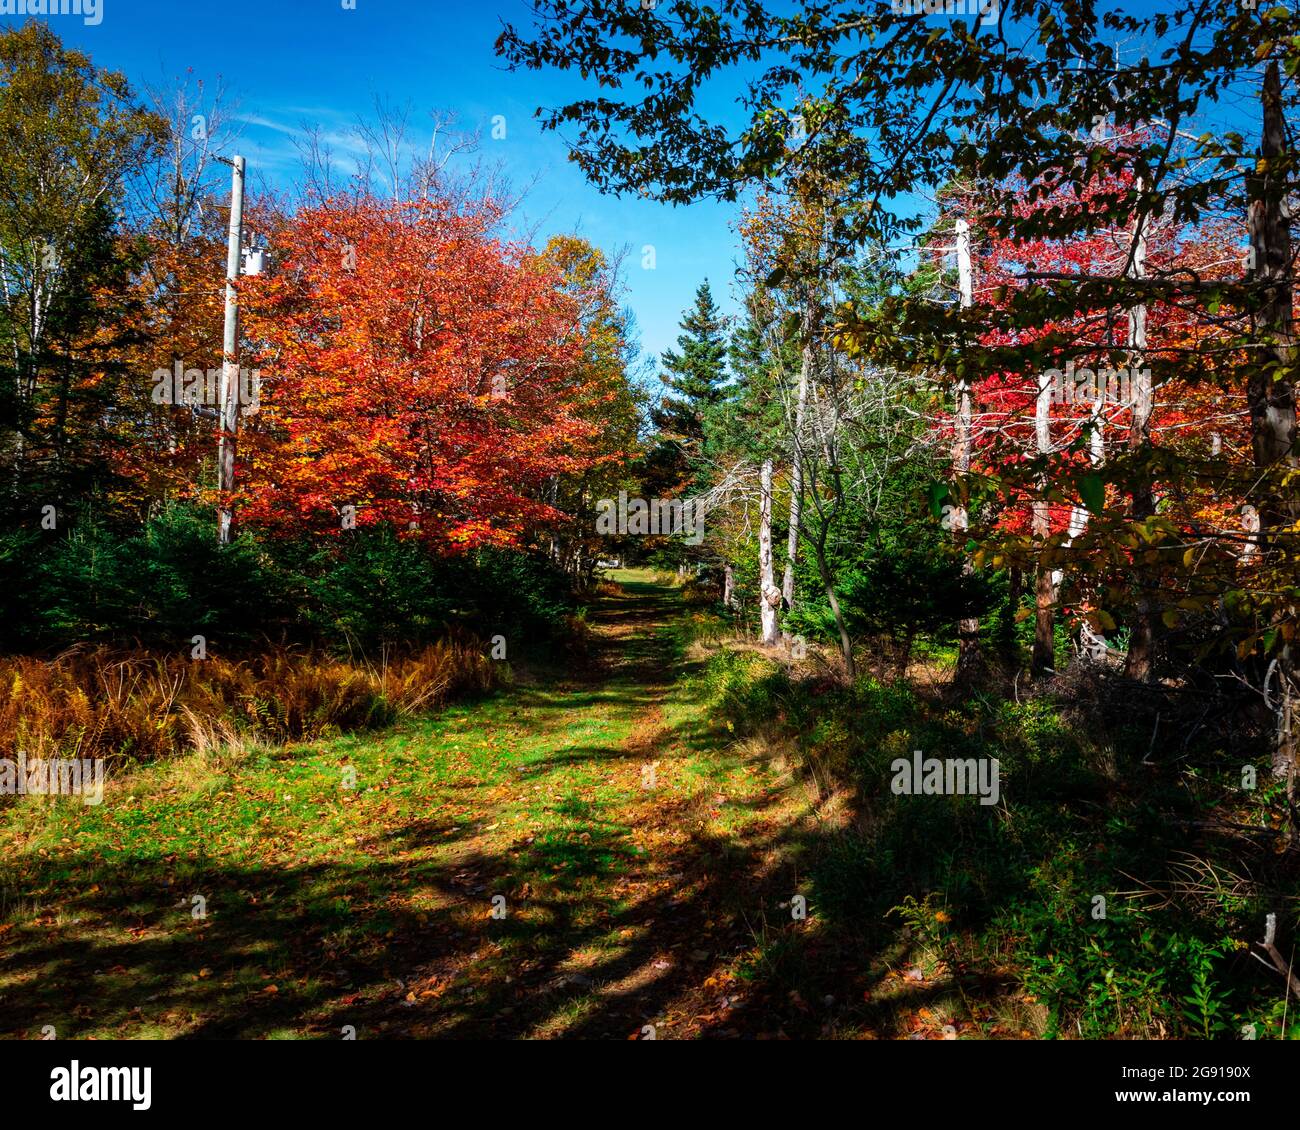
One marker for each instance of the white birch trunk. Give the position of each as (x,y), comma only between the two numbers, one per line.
(968,628)
(796,469)
(769,595)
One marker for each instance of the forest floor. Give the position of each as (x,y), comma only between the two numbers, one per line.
(582,854)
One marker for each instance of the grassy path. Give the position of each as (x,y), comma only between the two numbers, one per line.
(583,857)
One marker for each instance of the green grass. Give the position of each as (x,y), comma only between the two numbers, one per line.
(319,899)
(329,908)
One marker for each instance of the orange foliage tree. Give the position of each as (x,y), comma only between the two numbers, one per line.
(416,370)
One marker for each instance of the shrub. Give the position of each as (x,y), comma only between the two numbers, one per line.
(158,587)
(370,592)
(1017,882)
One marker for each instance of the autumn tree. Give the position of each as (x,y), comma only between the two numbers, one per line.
(70,133)
(177,212)
(890,104)
(419,372)
(611,406)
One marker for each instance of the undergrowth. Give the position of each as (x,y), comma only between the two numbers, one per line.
(1111,888)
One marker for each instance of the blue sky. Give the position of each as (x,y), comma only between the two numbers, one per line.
(290,61)
(287,62)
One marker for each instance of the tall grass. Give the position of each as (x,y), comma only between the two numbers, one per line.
(101,702)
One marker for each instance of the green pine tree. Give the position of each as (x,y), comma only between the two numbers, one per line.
(696,376)
(696,372)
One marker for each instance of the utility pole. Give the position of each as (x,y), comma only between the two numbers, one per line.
(228,411)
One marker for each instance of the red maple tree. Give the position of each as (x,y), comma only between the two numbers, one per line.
(416,368)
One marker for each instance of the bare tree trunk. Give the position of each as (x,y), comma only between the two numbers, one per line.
(968,628)
(1044,652)
(1141,649)
(1092,647)
(796,468)
(1270,395)
(769,596)
(728,586)
(1271,398)
(228,411)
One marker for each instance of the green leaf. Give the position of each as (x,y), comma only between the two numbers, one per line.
(937,493)
(1093,492)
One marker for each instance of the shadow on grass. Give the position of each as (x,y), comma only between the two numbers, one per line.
(601,936)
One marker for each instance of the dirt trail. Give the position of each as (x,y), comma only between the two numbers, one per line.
(681,870)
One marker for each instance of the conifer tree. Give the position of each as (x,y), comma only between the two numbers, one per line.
(696,375)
